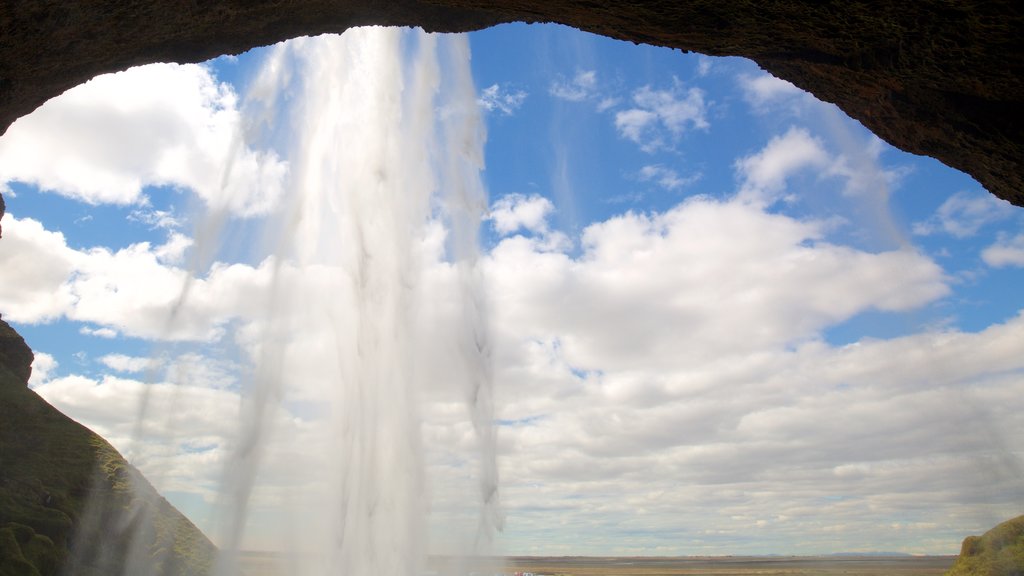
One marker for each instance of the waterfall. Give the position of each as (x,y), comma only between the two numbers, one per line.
(383,136)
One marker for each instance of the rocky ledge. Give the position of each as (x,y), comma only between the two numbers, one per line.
(940,78)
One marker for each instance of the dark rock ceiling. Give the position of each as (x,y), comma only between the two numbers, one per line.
(939,77)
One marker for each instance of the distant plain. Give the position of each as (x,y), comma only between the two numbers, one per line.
(258,564)
(738,566)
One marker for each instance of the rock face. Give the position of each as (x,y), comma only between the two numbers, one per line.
(940,78)
(998,552)
(69,503)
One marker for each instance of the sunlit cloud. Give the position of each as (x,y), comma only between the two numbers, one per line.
(1005,252)
(659,117)
(127,364)
(514,211)
(765,92)
(44,264)
(963,214)
(504,100)
(107,333)
(665,177)
(135,290)
(43,365)
(582,86)
(667,379)
(764,174)
(162,124)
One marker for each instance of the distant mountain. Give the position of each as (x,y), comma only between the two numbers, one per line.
(871,554)
(69,503)
(998,552)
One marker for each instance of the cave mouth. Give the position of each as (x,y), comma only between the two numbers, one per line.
(607,376)
(930,79)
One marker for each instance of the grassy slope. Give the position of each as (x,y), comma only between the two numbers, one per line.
(69,503)
(998,552)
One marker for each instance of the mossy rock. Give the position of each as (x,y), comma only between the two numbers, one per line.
(998,552)
(12,558)
(70,503)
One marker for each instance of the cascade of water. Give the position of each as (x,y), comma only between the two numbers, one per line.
(333,394)
(467,204)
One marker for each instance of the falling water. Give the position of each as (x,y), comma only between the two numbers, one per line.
(382,134)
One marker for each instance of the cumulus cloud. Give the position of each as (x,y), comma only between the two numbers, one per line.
(162,124)
(163,219)
(965,213)
(665,177)
(765,92)
(504,100)
(659,117)
(703,380)
(42,366)
(98,332)
(184,441)
(677,362)
(44,264)
(1005,252)
(691,279)
(518,211)
(764,173)
(137,290)
(127,364)
(703,66)
(581,87)
(173,251)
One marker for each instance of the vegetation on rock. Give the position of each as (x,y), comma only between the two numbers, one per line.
(998,552)
(69,503)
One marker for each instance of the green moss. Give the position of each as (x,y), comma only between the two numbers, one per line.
(12,559)
(998,552)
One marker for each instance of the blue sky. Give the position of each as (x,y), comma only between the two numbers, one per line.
(726,318)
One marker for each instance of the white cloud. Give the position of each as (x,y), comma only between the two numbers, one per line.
(764,174)
(155,218)
(173,251)
(1005,252)
(703,66)
(963,214)
(514,211)
(128,364)
(633,123)
(504,100)
(184,439)
(678,363)
(661,116)
(137,291)
(162,124)
(42,366)
(765,92)
(582,87)
(860,165)
(665,177)
(691,279)
(107,333)
(44,264)
(607,103)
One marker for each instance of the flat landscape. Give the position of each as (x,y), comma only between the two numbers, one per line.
(259,564)
(737,566)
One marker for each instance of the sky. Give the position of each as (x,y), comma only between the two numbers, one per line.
(724,317)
